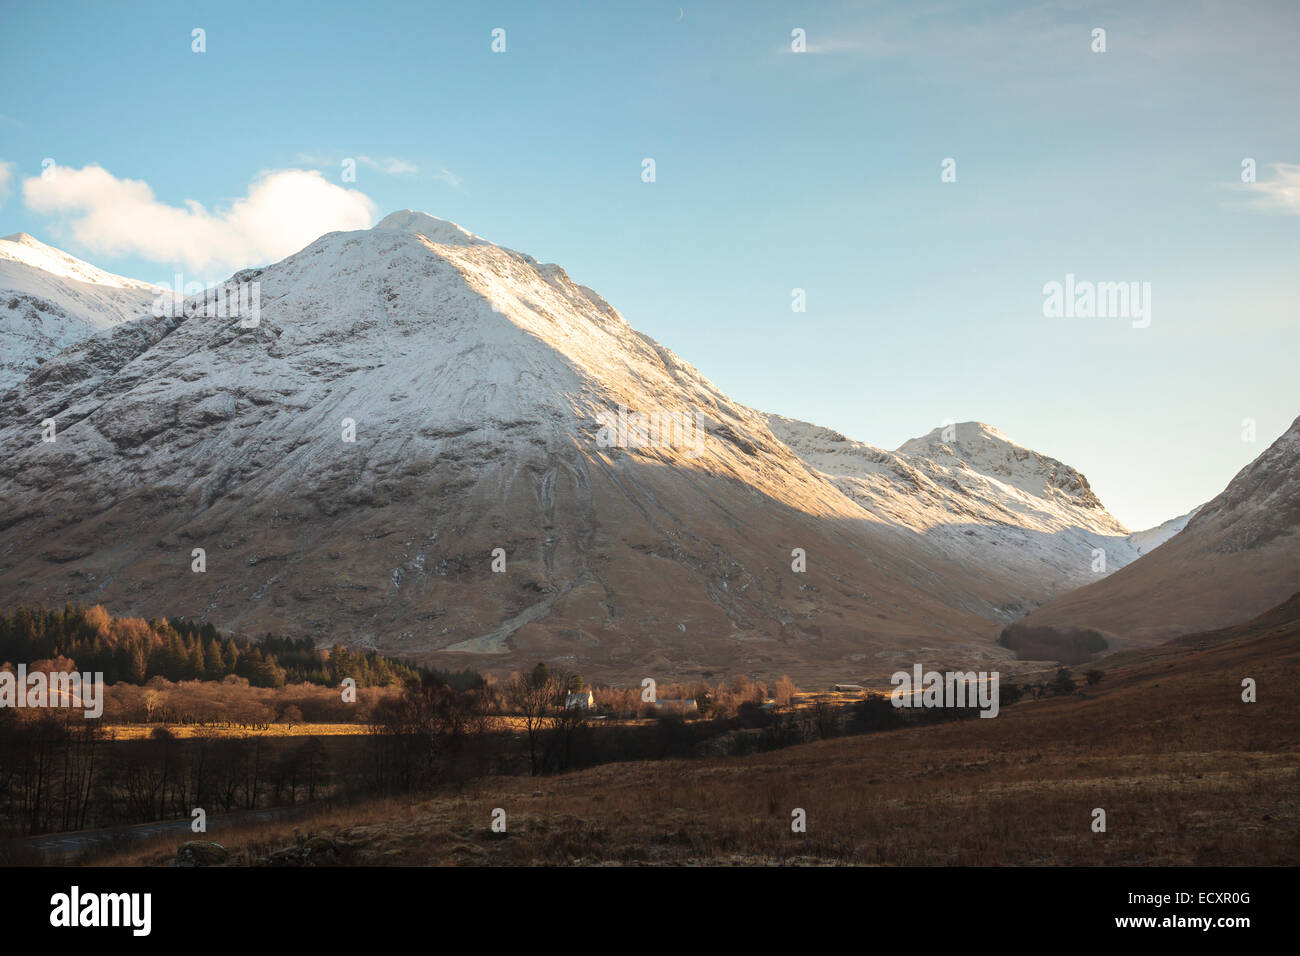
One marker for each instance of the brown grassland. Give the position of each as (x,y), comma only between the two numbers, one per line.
(189,731)
(1187,773)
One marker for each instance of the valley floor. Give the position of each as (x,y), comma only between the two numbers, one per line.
(1186,772)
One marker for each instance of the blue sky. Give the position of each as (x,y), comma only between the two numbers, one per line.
(775,170)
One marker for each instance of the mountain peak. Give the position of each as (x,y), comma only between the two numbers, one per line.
(959,433)
(50,300)
(27,250)
(441,231)
(979,498)
(990,452)
(23,239)
(413,363)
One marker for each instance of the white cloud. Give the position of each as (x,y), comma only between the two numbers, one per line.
(1282,193)
(283,211)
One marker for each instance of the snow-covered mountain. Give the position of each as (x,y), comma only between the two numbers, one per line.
(1238,556)
(414,398)
(1152,538)
(50,300)
(484,389)
(969,492)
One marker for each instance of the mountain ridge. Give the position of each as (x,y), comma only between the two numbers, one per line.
(50,300)
(477,383)
(474,379)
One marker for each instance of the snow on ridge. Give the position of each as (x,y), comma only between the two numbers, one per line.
(442,231)
(475,378)
(980,498)
(981,477)
(964,431)
(1260,504)
(990,452)
(24,248)
(1152,538)
(938,468)
(416,335)
(50,300)
(363,322)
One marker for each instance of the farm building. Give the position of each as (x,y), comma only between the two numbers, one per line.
(580,700)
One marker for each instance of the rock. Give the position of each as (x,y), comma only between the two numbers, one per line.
(317,851)
(201,853)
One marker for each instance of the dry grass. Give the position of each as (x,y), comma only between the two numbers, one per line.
(191,731)
(1187,774)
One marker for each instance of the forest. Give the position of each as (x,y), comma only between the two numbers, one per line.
(131,650)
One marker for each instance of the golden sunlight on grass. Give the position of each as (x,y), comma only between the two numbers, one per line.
(1186,772)
(187,731)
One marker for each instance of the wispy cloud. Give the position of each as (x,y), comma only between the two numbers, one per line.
(1282,192)
(447,176)
(386,165)
(1048,42)
(828,45)
(283,211)
(315,159)
(849,40)
(390,166)
(6,180)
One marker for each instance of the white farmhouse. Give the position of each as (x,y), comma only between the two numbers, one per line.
(580,700)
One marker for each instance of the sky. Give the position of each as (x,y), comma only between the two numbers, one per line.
(821,170)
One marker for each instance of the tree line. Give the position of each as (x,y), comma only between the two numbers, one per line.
(132,650)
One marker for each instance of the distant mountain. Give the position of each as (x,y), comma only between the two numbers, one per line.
(1238,555)
(1025,522)
(50,300)
(1152,538)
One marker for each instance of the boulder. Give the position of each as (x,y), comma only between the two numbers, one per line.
(201,853)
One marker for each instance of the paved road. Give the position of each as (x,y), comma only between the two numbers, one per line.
(67,847)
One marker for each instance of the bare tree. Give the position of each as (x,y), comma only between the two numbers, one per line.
(785,691)
(429,722)
(531,697)
(565,722)
(153,699)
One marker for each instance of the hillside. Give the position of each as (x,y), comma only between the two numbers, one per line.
(1236,557)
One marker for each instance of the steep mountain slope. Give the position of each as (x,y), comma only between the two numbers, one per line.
(50,300)
(481,386)
(1238,556)
(1010,514)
